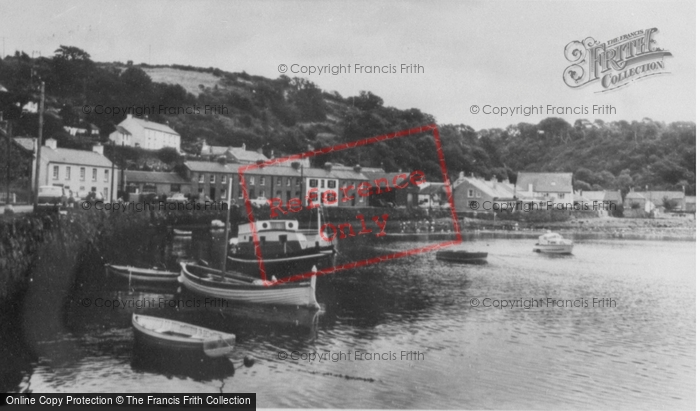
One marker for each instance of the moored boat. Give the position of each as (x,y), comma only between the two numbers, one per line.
(459,256)
(284,248)
(175,335)
(146,275)
(553,243)
(182,233)
(238,288)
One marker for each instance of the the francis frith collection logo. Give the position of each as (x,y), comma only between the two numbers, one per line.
(615,63)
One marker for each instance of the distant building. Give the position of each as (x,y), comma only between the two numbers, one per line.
(690,203)
(477,194)
(80,171)
(140,182)
(233,154)
(639,201)
(554,187)
(668,200)
(611,200)
(149,135)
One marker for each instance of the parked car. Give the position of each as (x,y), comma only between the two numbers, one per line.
(177,198)
(52,196)
(259,202)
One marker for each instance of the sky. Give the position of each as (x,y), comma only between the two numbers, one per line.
(472,53)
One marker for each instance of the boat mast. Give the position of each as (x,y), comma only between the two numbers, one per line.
(228,219)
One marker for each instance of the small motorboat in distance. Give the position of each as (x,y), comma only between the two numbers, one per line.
(145,275)
(175,335)
(465,257)
(182,233)
(553,243)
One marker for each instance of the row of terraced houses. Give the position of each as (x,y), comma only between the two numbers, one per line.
(207,176)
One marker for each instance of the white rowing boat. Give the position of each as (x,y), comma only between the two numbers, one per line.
(171,334)
(238,288)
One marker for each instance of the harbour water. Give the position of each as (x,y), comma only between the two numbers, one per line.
(612,326)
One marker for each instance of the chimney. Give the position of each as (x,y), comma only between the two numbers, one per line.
(272,153)
(99,149)
(357,168)
(461,174)
(243,146)
(328,167)
(529,188)
(129,116)
(493,181)
(259,150)
(50,143)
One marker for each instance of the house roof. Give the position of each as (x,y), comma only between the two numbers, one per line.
(604,195)
(284,171)
(669,195)
(123,130)
(376,175)
(212,167)
(497,190)
(245,155)
(214,150)
(637,196)
(27,143)
(546,182)
(153,177)
(70,156)
(432,188)
(149,125)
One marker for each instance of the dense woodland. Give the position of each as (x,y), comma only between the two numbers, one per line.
(289,115)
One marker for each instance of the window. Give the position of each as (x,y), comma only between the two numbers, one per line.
(175,188)
(94,175)
(279,181)
(331,183)
(212,179)
(106,176)
(251,193)
(55,172)
(478,194)
(298,182)
(561,195)
(470,193)
(251,181)
(313,182)
(68,173)
(106,193)
(201,179)
(262,181)
(289,181)
(82,188)
(82,174)
(223,179)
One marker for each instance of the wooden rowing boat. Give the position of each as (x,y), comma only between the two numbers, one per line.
(170,334)
(458,256)
(146,275)
(239,288)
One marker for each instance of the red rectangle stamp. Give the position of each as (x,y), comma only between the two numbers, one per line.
(315,189)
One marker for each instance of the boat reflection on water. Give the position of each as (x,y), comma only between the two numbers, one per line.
(181,365)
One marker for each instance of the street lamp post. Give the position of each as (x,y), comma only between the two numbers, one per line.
(38,146)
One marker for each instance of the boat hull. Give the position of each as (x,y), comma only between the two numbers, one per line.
(463,257)
(554,248)
(207,282)
(146,333)
(143,275)
(284,266)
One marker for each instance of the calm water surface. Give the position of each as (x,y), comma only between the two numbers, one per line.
(635,353)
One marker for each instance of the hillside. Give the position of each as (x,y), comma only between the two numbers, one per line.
(287,115)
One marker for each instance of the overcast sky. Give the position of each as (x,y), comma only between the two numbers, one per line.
(505,53)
